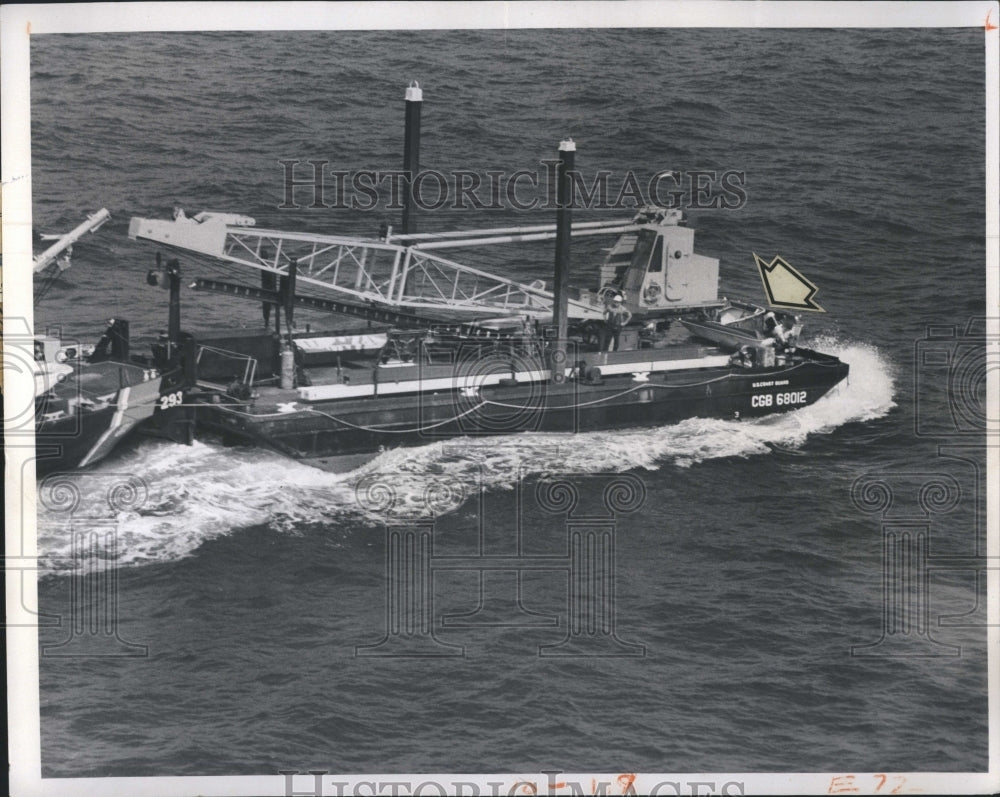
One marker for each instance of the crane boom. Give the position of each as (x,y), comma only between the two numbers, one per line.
(381,272)
(64,242)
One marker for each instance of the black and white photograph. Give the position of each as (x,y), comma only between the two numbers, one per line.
(501,399)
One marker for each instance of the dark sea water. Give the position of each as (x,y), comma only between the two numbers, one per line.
(749,572)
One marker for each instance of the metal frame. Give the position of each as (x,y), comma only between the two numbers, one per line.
(249,370)
(381,272)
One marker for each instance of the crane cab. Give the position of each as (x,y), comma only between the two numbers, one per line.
(657,269)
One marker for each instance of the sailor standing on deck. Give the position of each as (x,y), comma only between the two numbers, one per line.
(774,335)
(791,328)
(782,335)
(770,324)
(616,317)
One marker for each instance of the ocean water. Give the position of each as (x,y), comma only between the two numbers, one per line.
(246,583)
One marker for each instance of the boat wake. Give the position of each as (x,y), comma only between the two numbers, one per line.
(163,501)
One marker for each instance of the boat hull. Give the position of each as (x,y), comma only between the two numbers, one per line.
(81,433)
(63,444)
(330,430)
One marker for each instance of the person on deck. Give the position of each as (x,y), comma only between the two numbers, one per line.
(774,334)
(770,324)
(616,317)
(789,331)
(781,334)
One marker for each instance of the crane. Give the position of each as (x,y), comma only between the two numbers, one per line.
(396,271)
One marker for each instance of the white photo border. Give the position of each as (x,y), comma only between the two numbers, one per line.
(18,23)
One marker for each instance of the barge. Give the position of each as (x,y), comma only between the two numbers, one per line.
(451,350)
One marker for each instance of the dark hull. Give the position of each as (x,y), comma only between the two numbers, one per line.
(366,426)
(62,445)
(85,436)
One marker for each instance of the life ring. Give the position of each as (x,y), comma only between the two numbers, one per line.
(652,294)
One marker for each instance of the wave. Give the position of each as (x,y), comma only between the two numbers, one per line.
(164,501)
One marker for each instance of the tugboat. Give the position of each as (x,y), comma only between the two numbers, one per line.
(89,398)
(461,352)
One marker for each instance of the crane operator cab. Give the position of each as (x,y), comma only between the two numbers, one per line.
(657,269)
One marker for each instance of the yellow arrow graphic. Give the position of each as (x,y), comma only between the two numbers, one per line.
(785,286)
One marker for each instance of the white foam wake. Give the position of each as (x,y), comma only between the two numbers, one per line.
(183,496)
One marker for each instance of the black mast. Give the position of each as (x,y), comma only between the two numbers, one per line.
(564,223)
(411,153)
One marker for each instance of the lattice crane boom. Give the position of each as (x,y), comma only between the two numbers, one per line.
(404,271)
